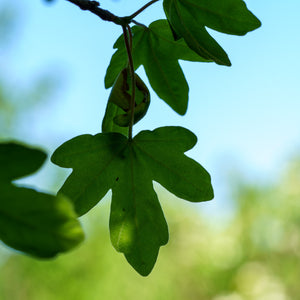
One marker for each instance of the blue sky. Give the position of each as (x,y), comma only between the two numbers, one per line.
(246,117)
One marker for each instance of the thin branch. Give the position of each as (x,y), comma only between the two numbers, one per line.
(141,9)
(126,32)
(93,6)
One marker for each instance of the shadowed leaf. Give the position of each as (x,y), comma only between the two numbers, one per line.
(118,113)
(189,18)
(33,222)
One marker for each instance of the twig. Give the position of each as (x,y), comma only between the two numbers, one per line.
(93,6)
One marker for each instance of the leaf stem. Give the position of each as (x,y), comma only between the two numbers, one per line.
(128,44)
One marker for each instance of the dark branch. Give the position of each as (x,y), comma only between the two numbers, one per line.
(93,6)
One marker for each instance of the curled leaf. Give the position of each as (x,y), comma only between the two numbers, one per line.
(119,103)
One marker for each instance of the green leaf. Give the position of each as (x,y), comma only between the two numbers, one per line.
(37,223)
(151,48)
(33,222)
(128,167)
(95,161)
(108,124)
(118,110)
(189,18)
(18,161)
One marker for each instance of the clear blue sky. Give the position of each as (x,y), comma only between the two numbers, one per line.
(246,117)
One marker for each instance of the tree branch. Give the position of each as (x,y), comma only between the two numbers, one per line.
(93,6)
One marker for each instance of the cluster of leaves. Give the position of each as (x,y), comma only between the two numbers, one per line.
(128,165)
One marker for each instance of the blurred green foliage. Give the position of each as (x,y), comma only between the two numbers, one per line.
(254,255)
(18,96)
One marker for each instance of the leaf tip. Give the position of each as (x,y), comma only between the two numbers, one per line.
(143,267)
(258,23)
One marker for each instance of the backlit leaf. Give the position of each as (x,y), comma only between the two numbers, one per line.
(151,48)
(118,112)
(128,167)
(189,18)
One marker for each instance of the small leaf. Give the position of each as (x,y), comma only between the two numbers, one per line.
(151,48)
(118,109)
(108,124)
(189,18)
(17,161)
(128,167)
(36,223)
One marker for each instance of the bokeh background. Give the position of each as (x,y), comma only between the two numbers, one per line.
(245,244)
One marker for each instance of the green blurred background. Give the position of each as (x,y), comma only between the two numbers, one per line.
(251,252)
(254,255)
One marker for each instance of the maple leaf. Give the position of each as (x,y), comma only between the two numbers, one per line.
(129,167)
(151,48)
(188,19)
